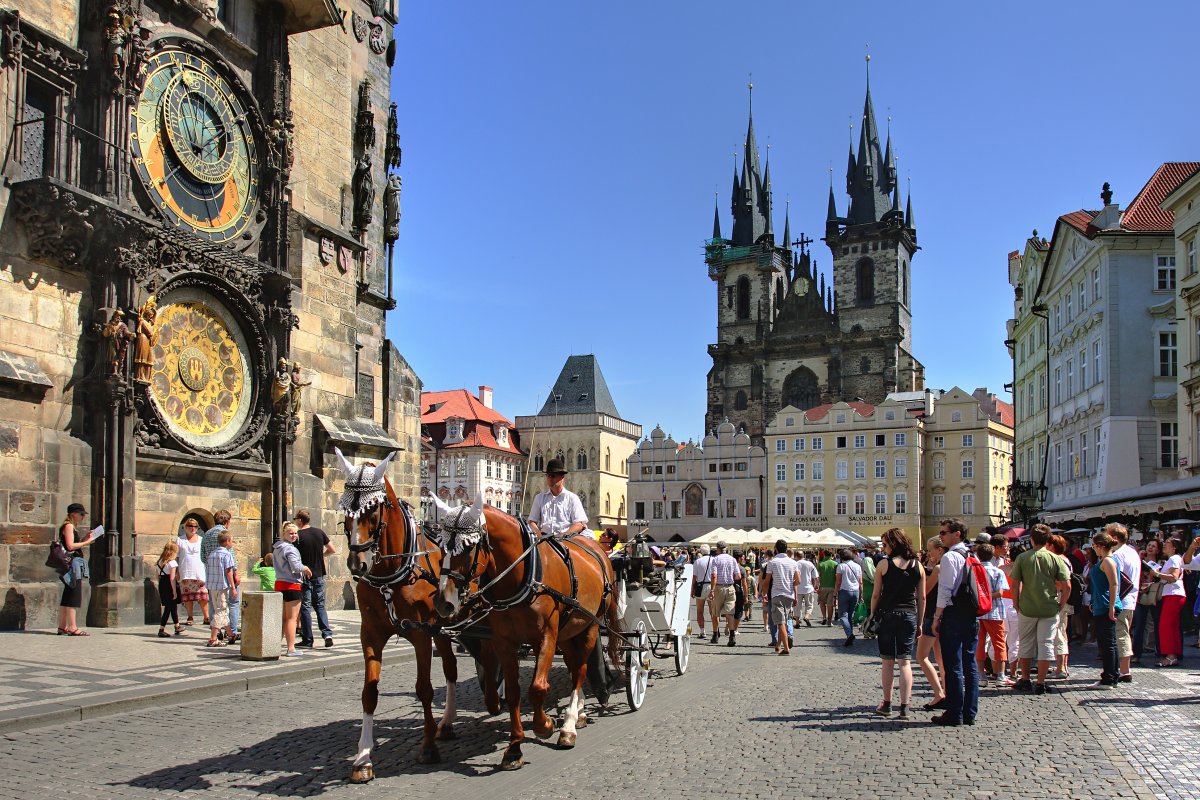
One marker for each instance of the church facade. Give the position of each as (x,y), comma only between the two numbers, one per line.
(199,208)
(785,335)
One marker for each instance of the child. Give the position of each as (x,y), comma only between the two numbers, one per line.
(222,588)
(991,625)
(265,570)
(168,589)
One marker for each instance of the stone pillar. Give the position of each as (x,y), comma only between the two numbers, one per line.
(262,625)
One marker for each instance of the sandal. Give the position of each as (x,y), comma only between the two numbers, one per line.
(76,632)
(62,631)
(163,634)
(189,622)
(1167,662)
(215,643)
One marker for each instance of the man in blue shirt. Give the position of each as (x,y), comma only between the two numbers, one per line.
(957,628)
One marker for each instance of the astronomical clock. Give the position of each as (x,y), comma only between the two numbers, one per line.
(195,138)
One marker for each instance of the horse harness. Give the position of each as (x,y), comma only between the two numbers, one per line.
(532,585)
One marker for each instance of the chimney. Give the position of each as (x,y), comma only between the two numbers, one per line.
(485,396)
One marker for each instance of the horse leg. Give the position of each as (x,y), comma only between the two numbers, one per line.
(543,726)
(372,645)
(575,654)
(487,662)
(507,653)
(423,647)
(445,729)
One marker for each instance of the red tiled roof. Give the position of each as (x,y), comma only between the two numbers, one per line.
(817,413)
(1080,220)
(1145,213)
(1007,414)
(480,435)
(440,406)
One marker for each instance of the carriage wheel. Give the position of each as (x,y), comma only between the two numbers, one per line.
(637,666)
(683,651)
(597,674)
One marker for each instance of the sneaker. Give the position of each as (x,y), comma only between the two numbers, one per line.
(903,712)
(293,653)
(849,640)
(808,622)
(1058,676)
(329,641)
(732,638)
(1023,685)
(1102,685)
(968,720)
(714,638)
(946,720)
(1041,688)
(983,680)
(1005,681)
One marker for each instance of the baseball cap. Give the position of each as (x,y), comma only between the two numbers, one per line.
(721,545)
(76,508)
(982,538)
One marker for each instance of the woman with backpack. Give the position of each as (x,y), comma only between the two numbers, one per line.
(1104,582)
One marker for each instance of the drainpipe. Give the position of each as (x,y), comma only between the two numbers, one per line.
(1040,310)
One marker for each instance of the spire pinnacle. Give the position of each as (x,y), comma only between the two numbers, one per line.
(908,212)
(716,216)
(787,224)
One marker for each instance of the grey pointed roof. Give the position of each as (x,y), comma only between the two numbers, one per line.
(580,389)
(869,178)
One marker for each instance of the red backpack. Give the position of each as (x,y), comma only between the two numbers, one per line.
(975,591)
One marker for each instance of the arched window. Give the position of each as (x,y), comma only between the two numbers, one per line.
(621,509)
(743,298)
(581,460)
(559,455)
(608,459)
(801,390)
(904,282)
(739,401)
(592,456)
(864,282)
(583,501)
(539,463)
(607,504)
(693,500)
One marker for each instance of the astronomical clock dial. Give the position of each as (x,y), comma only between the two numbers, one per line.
(201,380)
(193,146)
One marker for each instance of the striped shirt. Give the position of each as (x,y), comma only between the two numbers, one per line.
(726,569)
(218,561)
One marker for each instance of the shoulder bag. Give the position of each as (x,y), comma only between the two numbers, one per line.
(59,558)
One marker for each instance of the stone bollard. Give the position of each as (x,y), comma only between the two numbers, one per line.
(262,625)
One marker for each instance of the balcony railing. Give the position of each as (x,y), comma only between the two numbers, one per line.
(54,147)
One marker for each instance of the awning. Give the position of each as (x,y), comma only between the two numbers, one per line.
(1152,499)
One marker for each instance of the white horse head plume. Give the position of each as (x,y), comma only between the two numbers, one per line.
(364,486)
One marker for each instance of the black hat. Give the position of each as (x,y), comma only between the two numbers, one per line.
(555,467)
(76,508)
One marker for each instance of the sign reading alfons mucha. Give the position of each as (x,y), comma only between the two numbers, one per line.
(193,144)
(201,382)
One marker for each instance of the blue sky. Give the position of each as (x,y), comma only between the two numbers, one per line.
(560,161)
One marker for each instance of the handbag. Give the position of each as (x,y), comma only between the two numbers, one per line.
(870,626)
(59,558)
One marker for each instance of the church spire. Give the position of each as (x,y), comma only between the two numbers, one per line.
(787,225)
(909,222)
(767,200)
(751,207)
(867,176)
(716,218)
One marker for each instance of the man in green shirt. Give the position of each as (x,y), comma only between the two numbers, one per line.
(827,596)
(1041,584)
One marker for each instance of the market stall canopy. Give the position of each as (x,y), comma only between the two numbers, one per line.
(712,537)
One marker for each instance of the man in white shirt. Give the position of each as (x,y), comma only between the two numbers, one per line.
(1130,563)
(806,588)
(782,576)
(957,629)
(557,511)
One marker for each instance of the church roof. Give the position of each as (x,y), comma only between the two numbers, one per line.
(580,389)
(1145,212)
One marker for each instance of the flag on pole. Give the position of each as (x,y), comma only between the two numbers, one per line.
(664,490)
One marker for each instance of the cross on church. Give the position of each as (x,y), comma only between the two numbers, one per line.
(803,241)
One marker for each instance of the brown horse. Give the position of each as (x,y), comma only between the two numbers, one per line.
(393,565)
(532,595)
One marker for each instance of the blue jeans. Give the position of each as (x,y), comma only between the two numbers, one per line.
(1106,641)
(312,596)
(235,608)
(1142,614)
(847,602)
(77,572)
(775,628)
(959,637)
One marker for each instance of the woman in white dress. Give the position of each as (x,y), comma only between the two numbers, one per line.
(192,579)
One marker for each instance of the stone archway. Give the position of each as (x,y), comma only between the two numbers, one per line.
(801,389)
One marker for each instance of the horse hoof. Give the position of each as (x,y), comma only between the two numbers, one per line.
(566,740)
(544,730)
(581,722)
(511,762)
(429,755)
(363,773)
(446,732)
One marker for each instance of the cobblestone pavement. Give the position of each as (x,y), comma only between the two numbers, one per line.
(741,723)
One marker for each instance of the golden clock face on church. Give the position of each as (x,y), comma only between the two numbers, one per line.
(201,380)
(193,146)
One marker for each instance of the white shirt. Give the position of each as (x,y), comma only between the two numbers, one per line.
(1130,564)
(950,574)
(702,569)
(1175,587)
(191,566)
(808,576)
(851,576)
(782,570)
(555,514)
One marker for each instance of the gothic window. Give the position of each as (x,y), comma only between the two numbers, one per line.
(608,459)
(739,402)
(800,389)
(904,282)
(581,460)
(864,282)
(559,455)
(743,298)
(539,463)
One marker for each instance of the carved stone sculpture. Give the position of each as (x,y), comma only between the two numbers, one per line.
(118,335)
(297,386)
(147,336)
(363,187)
(364,128)
(391,209)
(281,388)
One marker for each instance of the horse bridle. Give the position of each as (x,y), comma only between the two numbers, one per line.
(373,544)
(444,533)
